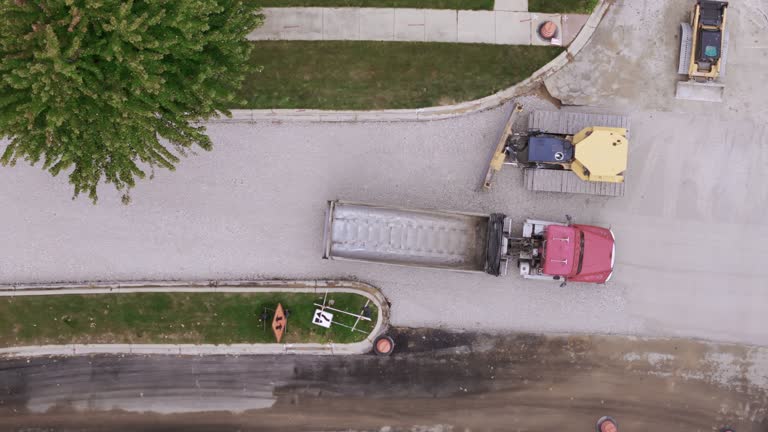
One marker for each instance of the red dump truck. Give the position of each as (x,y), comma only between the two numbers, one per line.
(468,242)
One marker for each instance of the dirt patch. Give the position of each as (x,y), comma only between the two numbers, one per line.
(445,101)
(435,381)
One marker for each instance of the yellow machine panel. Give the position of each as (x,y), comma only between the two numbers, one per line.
(707,69)
(601,154)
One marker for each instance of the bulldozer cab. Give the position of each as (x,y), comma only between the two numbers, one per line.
(710,40)
(708,26)
(546,149)
(709,49)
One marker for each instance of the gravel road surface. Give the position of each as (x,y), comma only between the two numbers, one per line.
(691,232)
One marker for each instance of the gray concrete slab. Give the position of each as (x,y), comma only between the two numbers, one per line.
(510,5)
(572,24)
(409,24)
(477,27)
(441,26)
(341,24)
(377,24)
(513,28)
(290,24)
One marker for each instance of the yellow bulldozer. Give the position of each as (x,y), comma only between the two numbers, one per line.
(703,52)
(561,151)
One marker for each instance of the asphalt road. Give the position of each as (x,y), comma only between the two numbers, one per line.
(691,232)
(436,382)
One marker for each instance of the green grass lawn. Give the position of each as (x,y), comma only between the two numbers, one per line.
(562,6)
(377,75)
(170,318)
(421,4)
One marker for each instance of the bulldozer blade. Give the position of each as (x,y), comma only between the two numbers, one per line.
(705,92)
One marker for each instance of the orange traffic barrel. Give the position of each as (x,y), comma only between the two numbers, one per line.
(383,345)
(548,30)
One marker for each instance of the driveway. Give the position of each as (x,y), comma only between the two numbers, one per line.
(631,61)
(691,233)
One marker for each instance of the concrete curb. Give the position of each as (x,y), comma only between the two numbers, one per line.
(309,286)
(431,113)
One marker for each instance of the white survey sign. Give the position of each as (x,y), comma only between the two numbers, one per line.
(322,318)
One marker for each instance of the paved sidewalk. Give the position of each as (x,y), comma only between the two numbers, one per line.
(500,27)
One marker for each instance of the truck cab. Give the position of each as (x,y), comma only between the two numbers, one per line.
(578,253)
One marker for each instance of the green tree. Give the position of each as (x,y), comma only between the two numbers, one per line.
(111,89)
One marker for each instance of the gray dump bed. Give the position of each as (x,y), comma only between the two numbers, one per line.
(419,238)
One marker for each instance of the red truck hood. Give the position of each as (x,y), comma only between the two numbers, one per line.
(597,264)
(563,252)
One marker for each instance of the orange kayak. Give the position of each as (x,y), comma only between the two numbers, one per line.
(279,322)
